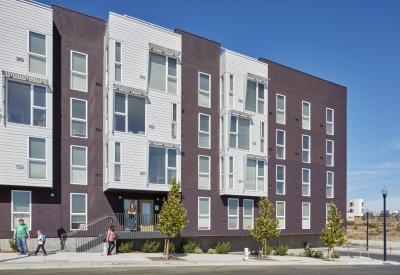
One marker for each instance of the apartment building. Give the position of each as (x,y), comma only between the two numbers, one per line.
(355,209)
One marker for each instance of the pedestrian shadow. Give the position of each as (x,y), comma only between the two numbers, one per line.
(26,256)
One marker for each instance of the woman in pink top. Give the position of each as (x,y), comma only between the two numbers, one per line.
(111,239)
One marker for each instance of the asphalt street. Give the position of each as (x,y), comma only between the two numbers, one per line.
(224,270)
(374,255)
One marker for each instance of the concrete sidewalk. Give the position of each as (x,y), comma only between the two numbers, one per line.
(57,259)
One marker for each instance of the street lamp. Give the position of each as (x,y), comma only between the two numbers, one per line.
(367,211)
(384,193)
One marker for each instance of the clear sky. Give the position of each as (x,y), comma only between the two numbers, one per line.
(352,43)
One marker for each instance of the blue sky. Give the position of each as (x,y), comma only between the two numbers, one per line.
(352,43)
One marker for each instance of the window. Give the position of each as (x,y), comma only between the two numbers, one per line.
(162,161)
(204,90)
(204,172)
(280,214)
(130,114)
(329,121)
(204,214)
(21,208)
(351,210)
(174,128)
(231,174)
(231,94)
(280,109)
(305,187)
(255,97)
(306,149)
(117,162)
(262,137)
(78,118)
(306,116)
(239,133)
(78,211)
(254,175)
(161,78)
(351,204)
(222,92)
(37,158)
(118,61)
(204,131)
(78,165)
(329,152)
(280,144)
(248,214)
(26,104)
(233,214)
(222,171)
(78,71)
(328,208)
(37,53)
(222,135)
(305,215)
(280,179)
(329,184)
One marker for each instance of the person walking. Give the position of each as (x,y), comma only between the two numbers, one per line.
(131,216)
(111,237)
(21,231)
(41,239)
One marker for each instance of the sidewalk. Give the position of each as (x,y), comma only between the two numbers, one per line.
(57,259)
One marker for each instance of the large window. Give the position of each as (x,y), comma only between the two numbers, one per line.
(233,214)
(118,61)
(329,184)
(306,213)
(231,173)
(222,135)
(78,71)
(329,121)
(248,214)
(204,214)
(174,121)
(37,158)
(255,97)
(78,165)
(162,161)
(222,172)
(306,180)
(78,118)
(255,175)
(280,214)
(239,133)
(329,152)
(280,179)
(117,162)
(231,93)
(37,53)
(262,137)
(204,90)
(306,149)
(222,82)
(78,208)
(163,73)
(21,207)
(26,104)
(204,131)
(130,114)
(204,172)
(280,144)
(280,109)
(306,116)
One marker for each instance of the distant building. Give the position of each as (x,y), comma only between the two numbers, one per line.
(355,209)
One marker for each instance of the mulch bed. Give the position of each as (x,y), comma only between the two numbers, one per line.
(163,259)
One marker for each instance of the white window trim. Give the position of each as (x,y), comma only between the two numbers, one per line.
(75,72)
(304,116)
(166,73)
(306,150)
(332,123)
(333,184)
(37,55)
(79,119)
(202,173)
(126,115)
(306,217)
(174,122)
(252,213)
(278,145)
(283,181)
(222,88)
(284,214)
(37,160)
(283,111)
(237,133)
(222,173)
(258,99)
(222,132)
(231,173)
(203,132)
(30,208)
(257,176)
(77,214)
(78,166)
(115,60)
(262,137)
(330,154)
(306,183)
(204,215)
(203,91)
(231,91)
(166,168)
(234,216)
(116,162)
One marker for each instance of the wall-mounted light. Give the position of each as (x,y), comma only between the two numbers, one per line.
(52,194)
(120,197)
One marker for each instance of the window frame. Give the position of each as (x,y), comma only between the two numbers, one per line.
(330,154)
(306,183)
(37,160)
(166,168)
(284,214)
(332,122)
(204,215)
(306,150)
(203,132)
(257,176)
(231,173)
(77,214)
(116,63)
(79,119)
(222,87)
(79,73)
(237,132)
(13,212)
(78,166)
(330,185)
(221,173)
(203,173)
(234,216)
(222,132)
(231,91)
(167,57)
(262,137)
(282,181)
(252,213)
(116,162)
(306,217)
(36,54)
(280,110)
(279,145)
(126,114)
(304,116)
(174,123)
(203,91)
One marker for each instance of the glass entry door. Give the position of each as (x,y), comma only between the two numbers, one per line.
(146,222)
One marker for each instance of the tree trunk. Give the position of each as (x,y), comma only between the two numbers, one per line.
(333,253)
(265,248)
(167,248)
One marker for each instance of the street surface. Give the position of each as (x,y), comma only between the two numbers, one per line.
(373,255)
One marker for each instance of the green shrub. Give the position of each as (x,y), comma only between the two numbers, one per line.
(318,254)
(301,254)
(150,247)
(13,245)
(291,254)
(253,252)
(267,250)
(198,251)
(350,223)
(190,247)
(281,250)
(373,225)
(211,251)
(223,247)
(336,255)
(125,247)
(307,253)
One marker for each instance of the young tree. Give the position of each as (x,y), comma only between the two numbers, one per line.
(333,235)
(172,218)
(265,226)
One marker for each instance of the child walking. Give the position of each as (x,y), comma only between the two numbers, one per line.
(41,239)
(105,248)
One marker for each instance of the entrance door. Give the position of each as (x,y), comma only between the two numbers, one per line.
(127,203)
(147,218)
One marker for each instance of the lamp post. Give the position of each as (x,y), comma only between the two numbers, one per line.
(367,211)
(384,193)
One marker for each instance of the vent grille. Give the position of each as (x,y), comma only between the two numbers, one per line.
(152,127)
(20,59)
(254,143)
(20,167)
(99,130)
(240,100)
(142,173)
(99,175)
(240,181)
(142,77)
(99,85)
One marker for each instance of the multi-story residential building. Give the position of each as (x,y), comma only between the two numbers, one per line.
(355,209)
